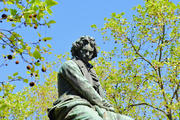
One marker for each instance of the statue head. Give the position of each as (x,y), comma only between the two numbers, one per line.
(84,48)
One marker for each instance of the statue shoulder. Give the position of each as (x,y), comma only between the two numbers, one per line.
(68,64)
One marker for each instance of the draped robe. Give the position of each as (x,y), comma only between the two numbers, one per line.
(80,95)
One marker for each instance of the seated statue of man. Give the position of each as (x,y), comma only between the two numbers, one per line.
(80,92)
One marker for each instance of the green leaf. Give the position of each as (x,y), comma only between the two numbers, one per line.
(29,11)
(36,54)
(15,74)
(10,2)
(37,63)
(3,46)
(13,12)
(25,80)
(3,106)
(20,51)
(122,13)
(94,26)
(9,77)
(113,14)
(39,34)
(28,72)
(13,25)
(47,38)
(50,3)
(49,45)
(49,10)
(32,1)
(19,77)
(51,22)
(20,6)
(6,9)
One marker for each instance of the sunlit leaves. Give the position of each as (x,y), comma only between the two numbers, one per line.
(36,54)
(30,14)
(50,22)
(46,38)
(50,3)
(149,62)
(30,101)
(33,14)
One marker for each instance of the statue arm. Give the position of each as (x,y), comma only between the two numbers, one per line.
(100,89)
(105,102)
(101,92)
(71,72)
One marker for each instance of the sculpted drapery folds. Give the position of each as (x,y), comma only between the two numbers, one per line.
(80,93)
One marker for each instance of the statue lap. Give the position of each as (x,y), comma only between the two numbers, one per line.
(74,109)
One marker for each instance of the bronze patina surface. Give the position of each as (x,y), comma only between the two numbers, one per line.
(81,96)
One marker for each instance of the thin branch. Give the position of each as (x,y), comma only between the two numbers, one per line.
(149,106)
(159,68)
(177,97)
(160,50)
(134,97)
(2,44)
(139,46)
(141,55)
(24,59)
(7,43)
(17,27)
(175,93)
(2,82)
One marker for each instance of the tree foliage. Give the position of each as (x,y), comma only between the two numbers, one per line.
(24,14)
(31,102)
(144,82)
(141,75)
(15,16)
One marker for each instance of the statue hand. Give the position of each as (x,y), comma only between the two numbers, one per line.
(108,106)
(111,109)
(106,103)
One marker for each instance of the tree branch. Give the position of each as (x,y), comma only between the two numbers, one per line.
(2,82)
(159,68)
(149,106)
(141,55)
(160,50)
(175,93)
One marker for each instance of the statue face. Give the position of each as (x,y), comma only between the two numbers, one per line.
(86,53)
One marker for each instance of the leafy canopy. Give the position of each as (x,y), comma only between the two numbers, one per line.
(16,15)
(144,81)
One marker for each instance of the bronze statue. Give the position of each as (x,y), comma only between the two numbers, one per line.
(81,96)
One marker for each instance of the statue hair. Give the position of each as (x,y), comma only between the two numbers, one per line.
(78,45)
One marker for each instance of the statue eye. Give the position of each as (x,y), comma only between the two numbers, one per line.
(92,45)
(90,52)
(85,42)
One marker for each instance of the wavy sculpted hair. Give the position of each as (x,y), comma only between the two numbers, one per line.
(78,45)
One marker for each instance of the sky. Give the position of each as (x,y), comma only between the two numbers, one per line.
(73,19)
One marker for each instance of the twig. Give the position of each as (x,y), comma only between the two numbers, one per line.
(2,82)
(175,93)
(149,106)
(141,55)
(17,27)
